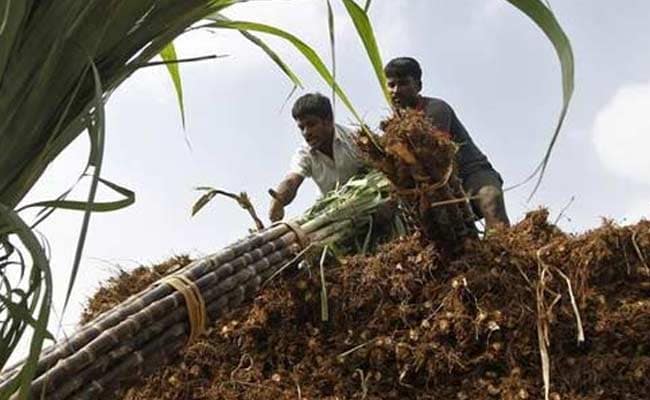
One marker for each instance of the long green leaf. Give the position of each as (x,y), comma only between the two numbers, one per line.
(96,130)
(129,198)
(5,16)
(41,265)
(168,54)
(367,36)
(49,206)
(302,47)
(274,57)
(266,49)
(332,36)
(13,13)
(19,309)
(546,21)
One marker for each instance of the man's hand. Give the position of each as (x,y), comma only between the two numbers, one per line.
(283,195)
(276,211)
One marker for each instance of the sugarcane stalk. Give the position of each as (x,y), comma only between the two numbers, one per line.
(215,309)
(225,262)
(135,303)
(117,367)
(150,321)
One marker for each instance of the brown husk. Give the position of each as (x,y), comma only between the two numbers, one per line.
(406,324)
(419,161)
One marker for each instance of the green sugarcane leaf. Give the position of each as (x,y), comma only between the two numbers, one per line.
(332,36)
(301,46)
(11,19)
(129,198)
(275,57)
(168,54)
(96,130)
(266,49)
(10,218)
(546,21)
(5,16)
(367,35)
(18,310)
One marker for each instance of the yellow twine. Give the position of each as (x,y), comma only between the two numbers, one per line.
(196,312)
(303,239)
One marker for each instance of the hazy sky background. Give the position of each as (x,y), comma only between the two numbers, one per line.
(483,56)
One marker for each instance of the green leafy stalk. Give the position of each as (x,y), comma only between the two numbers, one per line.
(41,277)
(366,34)
(168,54)
(309,53)
(284,67)
(105,206)
(96,130)
(545,19)
(332,36)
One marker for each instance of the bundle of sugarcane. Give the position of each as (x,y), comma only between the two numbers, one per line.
(151,327)
(419,161)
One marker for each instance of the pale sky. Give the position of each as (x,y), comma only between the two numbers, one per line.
(484,57)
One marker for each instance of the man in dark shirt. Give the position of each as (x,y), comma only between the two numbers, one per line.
(480,179)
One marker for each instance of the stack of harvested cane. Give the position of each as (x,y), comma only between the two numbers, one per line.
(147,330)
(151,327)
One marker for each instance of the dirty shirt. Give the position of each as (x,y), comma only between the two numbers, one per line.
(442,116)
(328,173)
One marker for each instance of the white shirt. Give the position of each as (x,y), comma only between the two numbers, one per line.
(328,173)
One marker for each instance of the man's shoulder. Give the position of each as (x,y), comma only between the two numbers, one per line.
(436,103)
(303,151)
(344,128)
(346,132)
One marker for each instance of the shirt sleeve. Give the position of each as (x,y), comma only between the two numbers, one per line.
(301,163)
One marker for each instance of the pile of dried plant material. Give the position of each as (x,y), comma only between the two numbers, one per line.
(124,284)
(419,161)
(404,324)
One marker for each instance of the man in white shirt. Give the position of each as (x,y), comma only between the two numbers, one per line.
(329,156)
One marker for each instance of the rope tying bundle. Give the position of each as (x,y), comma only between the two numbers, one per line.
(303,239)
(194,302)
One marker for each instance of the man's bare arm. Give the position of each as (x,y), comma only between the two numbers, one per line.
(283,195)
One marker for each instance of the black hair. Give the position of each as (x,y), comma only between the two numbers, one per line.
(312,104)
(402,67)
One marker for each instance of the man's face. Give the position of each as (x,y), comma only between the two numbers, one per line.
(403,91)
(316,131)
